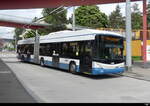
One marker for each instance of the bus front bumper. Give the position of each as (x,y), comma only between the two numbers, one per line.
(100,71)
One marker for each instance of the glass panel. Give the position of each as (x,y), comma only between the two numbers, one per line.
(64,49)
(73,50)
(88,48)
(108,47)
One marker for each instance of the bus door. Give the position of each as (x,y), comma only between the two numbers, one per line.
(55,55)
(86,56)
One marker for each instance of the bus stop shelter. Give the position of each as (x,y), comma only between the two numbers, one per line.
(27,4)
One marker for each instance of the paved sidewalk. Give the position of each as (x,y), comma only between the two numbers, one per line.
(139,71)
(11,90)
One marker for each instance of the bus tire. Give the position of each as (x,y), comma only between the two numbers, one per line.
(72,68)
(42,62)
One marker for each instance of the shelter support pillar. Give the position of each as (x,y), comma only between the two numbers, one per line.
(144,32)
(128,36)
(36,48)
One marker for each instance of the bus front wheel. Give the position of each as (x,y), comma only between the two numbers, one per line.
(22,58)
(42,62)
(72,68)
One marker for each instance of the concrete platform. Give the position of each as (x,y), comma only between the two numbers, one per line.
(11,90)
(139,71)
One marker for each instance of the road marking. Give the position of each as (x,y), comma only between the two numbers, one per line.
(5,72)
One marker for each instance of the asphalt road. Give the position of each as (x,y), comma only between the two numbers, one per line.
(58,86)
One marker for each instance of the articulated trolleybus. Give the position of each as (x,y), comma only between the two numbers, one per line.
(86,51)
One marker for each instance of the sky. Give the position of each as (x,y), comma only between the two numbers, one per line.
(29,14)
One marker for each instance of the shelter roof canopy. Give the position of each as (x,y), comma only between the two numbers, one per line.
(26,4)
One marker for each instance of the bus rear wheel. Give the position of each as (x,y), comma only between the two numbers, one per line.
(72,68)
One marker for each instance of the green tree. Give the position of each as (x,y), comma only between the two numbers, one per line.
(30,34)
(116,20)
(136,17)
(18,32)
(90,16)
(55,19)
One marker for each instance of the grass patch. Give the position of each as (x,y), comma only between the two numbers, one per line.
(136,58)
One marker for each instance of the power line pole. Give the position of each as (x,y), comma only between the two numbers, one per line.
(145,32)
(36,48)
(15,42)
(73,23)
(128,36)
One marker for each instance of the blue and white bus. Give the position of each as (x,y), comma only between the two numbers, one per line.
(86,51)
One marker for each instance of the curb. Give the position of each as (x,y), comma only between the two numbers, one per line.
(131,76)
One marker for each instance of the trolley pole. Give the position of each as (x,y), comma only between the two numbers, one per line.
(36,48)
(73,23)
(128,36)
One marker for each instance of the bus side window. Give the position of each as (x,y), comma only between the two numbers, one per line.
(64,49)
(48,50)
(94,48)
(41,49)
(32,49)
(77,50)
(73,49)
(56,49)
(88,48)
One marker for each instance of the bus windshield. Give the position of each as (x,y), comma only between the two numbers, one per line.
(108,47)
